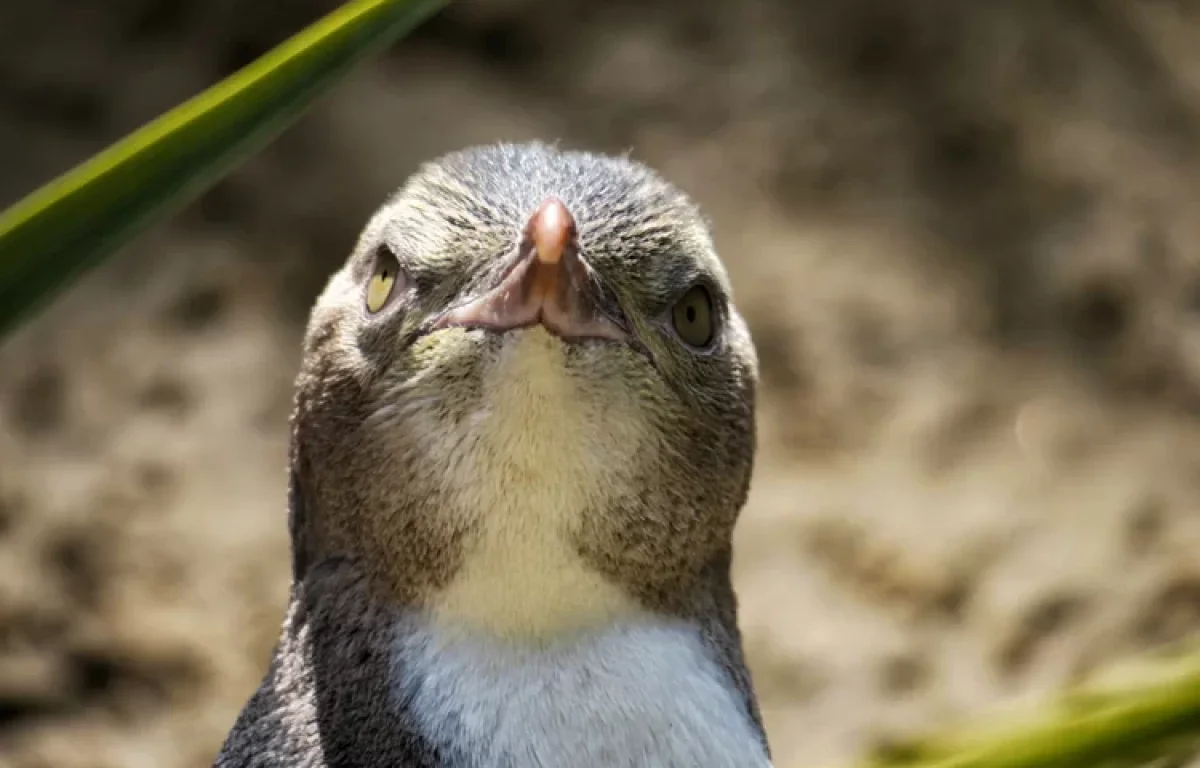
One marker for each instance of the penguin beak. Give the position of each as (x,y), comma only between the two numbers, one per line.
(550,284)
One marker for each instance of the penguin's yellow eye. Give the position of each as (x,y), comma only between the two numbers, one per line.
(383,280)
(693,318)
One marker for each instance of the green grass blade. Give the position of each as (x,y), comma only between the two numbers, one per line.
(72,223)
(1147,712)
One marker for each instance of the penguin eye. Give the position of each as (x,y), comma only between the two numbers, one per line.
(693,318)
(384,276)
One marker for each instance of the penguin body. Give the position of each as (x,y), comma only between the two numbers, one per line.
(524,429)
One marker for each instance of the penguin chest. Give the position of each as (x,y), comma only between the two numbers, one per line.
(647,695)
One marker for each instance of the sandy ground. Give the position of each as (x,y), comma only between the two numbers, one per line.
(964,235)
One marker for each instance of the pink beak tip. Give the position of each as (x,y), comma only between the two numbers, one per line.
(551,228)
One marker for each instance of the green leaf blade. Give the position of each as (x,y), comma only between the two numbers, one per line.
(69,225)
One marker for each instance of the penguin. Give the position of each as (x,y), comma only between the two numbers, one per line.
(522,434)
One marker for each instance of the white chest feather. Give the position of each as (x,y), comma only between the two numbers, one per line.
(642,696)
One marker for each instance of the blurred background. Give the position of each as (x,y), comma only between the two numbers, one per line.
(965,235)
